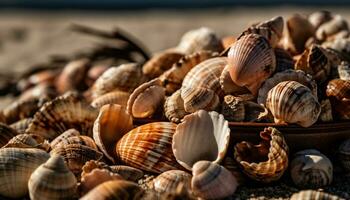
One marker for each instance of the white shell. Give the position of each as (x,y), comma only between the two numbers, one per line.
(169,181)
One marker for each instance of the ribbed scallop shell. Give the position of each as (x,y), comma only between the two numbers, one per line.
(21,125)
(267,161)
(7,133)
(169,181)
(251,61)
(292,102)
(331,27)
(344,154)
(201,136)
(81,139)
(61,114)
(115,97)
(228,86)
(52,180)
(68,133)
(314,195)
(146,99)
(127,172)
(201,87)
(148,147)
(174,109)
(233,108)
(212,181)
(311,169)
(16,166)
(287,75)
(111,124)
(344,71)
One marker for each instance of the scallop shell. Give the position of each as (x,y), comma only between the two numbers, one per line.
(146,99)
(251,62)
(201,87)
(267,161)
(7,133)
(233,108)
(148,147)
(61,114)
(81,139)
(127,172)
(115,97)
(21,125)
(111,124)
(344,154)
(201,136)
(19,164)
(68,133)
(284,61)
(287,75)
(292,102)
(174,107)
(314,195)
(344,71)
(168,181)
(116,189)
(212,181)
(326,111)
(320,17)
(311,169)
(228,86)
(331,27)
(52,180)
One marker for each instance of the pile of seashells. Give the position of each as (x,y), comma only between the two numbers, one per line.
(92,131)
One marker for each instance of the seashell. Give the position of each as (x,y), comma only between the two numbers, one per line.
(43,90)
(227,41)
(76,155)
(146,99)
(127,172)
(182,192)
(344,154)
(314,195)
(7,133)
(64,136)
(284,61)
(198,40)
(233,108)
(125,77)
(315,62)
(212,181)
(228,86)
(21,125)
(256,112)
(287,75)
(201,87)
(28,141)
(326,111)
(311,169)
(251,62)
(331,27)
(338,89)
(61,114)
(172,78)
(292,102)
(232,166)
(344,71)
(320,17)
(340,45)
(41,77)
(111,124)
(201,136)
(160,62)
(96,71)
(267,161)
(115,97)
(80,139)
(116,189)
(19,164)
(148,147)
(169,181)
(174,107)
(52,180)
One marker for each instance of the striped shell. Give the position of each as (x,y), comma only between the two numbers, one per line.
(127,172)
(19,164)
(201,136)
(314,195)
(111,124)
(344,71)
(251,61)
(174,109)
(52,180)
(339,93)
(344,154)
(292,102)
(80,139)
(212,181)
(21,125)
(311,169)
(169,181)
(68,133)
(267,161)
(28,141)
(7,133)
(148,147)
(233,108)
(115,97)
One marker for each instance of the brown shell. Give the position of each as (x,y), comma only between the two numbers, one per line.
(21,125)
(174,107)
(228,86)
(80,139)
(42,77)
(168,181)
(326,114)
(233,108)
(64,136)
(127,172)
(284,60)
(115,97)
(256,112)
(338,89)
(233,166)
(314,195)
(42,90)
(93,164)
(227,41)
(28,141)
(7,133)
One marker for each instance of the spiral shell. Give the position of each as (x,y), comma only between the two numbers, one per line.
(62,137)
(251,61)
(115,97)
(168,181)
(233,108)
(292,102)
(7,133)
(314,195)
(127,172)
(267,161)
(344,154)
(21,125)
(174,109)
(212,181)
(148,147)
(344,71)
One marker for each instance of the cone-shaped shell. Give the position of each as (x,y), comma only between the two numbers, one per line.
(52,180)
(251,61)
(314,195)
(292,102)
(267,161)
(7,133)
(148,147)
(127,172)
(115,97)
(21,125)
(311,169)
(168,181)
(68,133)
(61,114)
(19,164)
(174,109)
(212,181)
(344,154)
(201,136)
(111,124)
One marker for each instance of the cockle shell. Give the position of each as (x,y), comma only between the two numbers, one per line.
(201,136)
(146,99)
(201,87)
(115,97)
(344,71)
(331,27)
(326,114)
(168,181)
(344,154)
(61,114)
(287,75)
(7,133)
(52,180)
(174,109)
(251,61)
(284,61)
(111,124)
(21,125)
(267,161)
(228,86)
(212,181)
(148,147)
(314,195)
(81,139)
(320,17)
(233,108)
(292,102)
(311,169)
(68,133)
(19,164)
(127,172)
